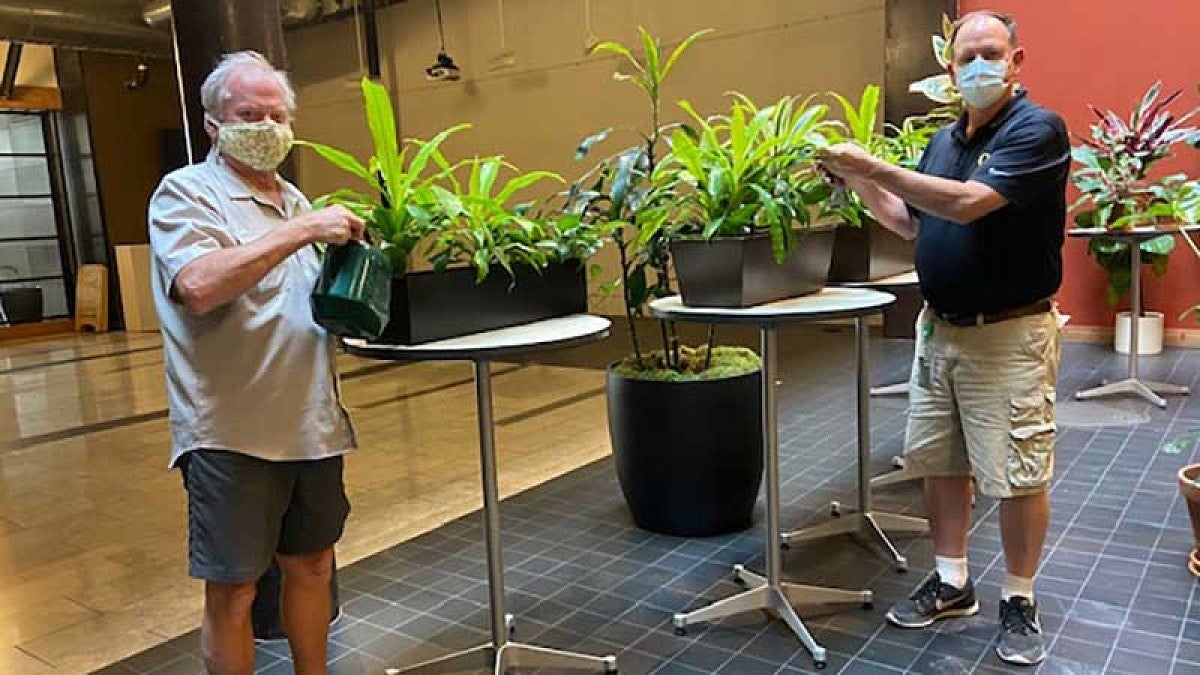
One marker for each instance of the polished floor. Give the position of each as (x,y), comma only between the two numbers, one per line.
(92,525)
(91,543)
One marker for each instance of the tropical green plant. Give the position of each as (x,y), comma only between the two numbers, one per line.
(940,88)
(477,224)
(739,174)
(398,212)
(614,190)
(1117,191)
(464,211)
(902,145)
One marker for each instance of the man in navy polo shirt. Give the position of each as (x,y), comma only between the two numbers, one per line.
(987,206)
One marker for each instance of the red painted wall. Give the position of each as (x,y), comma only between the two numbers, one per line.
(1107,53)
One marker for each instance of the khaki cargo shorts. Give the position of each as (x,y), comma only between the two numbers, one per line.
(982,402)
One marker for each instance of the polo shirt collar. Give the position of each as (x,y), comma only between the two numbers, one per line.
(237,188)
(1018,99)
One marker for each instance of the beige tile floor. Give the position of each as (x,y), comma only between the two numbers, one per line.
(92,525)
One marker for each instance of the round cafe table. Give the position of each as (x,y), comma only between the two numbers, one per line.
(768,591)
(480,349)
(1132,384)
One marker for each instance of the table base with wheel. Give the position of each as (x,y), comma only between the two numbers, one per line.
(501,654)
(768,591)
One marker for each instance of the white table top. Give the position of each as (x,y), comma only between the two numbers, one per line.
(527,338)
(830,303)
(904,279)
(1148,232)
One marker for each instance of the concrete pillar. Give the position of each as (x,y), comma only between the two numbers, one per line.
(206,29)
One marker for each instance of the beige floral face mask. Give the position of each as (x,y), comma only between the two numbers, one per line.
(262,146)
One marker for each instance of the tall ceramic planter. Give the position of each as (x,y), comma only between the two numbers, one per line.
(1189,485)
(688,454)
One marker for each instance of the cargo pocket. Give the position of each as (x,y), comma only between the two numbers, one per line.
(1031,441)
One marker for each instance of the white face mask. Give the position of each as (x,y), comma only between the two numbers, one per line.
(982,82)
(262,146)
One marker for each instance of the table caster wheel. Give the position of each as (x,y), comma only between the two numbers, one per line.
(784,546)
(835,509)
(819,665)
(679,632)
(869,605)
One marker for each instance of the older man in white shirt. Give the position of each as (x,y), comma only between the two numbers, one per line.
(257,424)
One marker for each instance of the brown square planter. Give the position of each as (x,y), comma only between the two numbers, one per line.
(742,271)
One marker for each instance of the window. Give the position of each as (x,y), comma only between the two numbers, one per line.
(32,250)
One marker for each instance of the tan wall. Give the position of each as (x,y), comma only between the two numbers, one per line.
(37,65)
(536,112)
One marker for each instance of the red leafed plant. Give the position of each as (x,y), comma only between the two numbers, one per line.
(1116,191)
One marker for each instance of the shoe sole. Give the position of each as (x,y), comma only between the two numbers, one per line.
(948,614)
(1017,659)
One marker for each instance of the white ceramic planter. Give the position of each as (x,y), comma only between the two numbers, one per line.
(1150,333)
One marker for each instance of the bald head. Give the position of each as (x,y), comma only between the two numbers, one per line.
(986,35)
(986,19)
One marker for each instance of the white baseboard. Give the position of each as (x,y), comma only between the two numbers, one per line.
(1172,337)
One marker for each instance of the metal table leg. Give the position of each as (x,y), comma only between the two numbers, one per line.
(863,522)
(897,389)
(501,653)
(770,592)
(1132,385)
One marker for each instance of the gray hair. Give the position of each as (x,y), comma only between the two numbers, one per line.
(215,90)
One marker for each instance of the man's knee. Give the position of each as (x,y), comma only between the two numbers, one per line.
(307,568)
(229,601)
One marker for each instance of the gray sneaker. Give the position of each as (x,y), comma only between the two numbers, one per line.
(934,601)
(1021,639)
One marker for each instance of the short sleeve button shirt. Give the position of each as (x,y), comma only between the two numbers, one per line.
(256,376)
(1011,257)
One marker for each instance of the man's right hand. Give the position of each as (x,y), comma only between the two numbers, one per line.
(331,225)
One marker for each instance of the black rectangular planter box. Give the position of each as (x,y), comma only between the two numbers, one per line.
(428,306)
(742,272)
(869,253)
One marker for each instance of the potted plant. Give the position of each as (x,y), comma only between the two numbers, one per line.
(493,262)
(20,304)
(864,250)
(735,194)
(1189,487)
(1117,193)
(684,422)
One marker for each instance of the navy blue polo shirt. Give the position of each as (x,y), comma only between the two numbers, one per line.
(1011,257)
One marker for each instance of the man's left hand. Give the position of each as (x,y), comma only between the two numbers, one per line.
(847,160)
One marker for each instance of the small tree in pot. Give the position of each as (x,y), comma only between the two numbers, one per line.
(684,422)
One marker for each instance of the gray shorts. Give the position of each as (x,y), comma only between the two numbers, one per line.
(243,510)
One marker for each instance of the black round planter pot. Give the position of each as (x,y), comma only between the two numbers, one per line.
(688,454)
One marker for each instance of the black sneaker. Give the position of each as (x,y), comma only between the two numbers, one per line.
(1021,640)
(934,601)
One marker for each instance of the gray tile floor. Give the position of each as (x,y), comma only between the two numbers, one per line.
(1114,593)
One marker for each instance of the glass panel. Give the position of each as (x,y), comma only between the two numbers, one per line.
(27,218)
(24,259)
(24,176)
(54,300)
(21,133)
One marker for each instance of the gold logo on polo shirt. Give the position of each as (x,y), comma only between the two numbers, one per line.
(983,159)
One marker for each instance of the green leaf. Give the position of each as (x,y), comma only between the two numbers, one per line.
(1181,444)
(524,181)
(681,48)
(937,88)
(342,160)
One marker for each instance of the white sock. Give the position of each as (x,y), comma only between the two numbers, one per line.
(953,571)
(1014,585)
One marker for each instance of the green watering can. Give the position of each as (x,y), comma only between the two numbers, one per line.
(353,294)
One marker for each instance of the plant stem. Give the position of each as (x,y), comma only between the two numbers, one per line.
(667,353)
(629,318)
(712,337)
